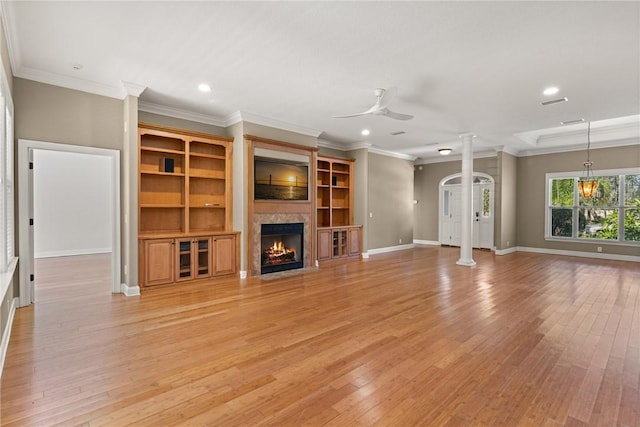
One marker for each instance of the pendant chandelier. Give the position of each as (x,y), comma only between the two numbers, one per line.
(587,185)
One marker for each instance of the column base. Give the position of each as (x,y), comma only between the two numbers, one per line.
(468,263)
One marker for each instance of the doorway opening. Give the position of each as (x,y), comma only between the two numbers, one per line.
(450,216)
(69,232)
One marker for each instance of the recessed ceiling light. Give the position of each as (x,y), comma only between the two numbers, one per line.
(552,90)
(365,132)
(203,87)
(444,151)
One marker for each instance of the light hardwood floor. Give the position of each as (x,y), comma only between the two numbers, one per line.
(401,339)
(72,277)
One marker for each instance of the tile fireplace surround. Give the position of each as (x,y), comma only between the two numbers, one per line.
(277,218)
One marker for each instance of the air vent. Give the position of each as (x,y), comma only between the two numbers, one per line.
(400,132)
(555,101)
(570,122)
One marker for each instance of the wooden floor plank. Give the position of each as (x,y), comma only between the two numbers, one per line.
(399,339)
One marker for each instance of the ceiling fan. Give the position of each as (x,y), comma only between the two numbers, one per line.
(384,98)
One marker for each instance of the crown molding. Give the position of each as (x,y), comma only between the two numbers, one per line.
(333,145)
(133,89)
(376,150)
(509,150)
(364,145)
(257,119)
(180,114)
(455,158)
(620,128)
(70,82)
(11,35)
(600,145)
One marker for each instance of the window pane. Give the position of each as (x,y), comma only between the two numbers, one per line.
(445,203)
(632,190)
(485,203)
(562,192)
(561,222)
(632,224)
(595,223)
(606,194)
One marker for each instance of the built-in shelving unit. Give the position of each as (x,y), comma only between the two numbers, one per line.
(184,205)
(337,235)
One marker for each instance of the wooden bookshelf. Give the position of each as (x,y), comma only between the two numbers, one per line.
(184,202)
(338,236)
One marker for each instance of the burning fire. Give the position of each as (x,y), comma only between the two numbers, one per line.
(278,254)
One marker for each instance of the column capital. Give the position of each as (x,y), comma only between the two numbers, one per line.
(467,135)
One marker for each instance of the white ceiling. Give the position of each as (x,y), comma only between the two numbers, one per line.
(459,67)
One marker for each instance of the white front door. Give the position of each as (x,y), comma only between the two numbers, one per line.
(451,216)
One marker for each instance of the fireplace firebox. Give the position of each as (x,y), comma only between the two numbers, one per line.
(281,247)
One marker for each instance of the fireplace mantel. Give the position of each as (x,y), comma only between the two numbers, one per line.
(276,211)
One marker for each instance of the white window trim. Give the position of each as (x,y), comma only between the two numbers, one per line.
(8,259)
(547,217)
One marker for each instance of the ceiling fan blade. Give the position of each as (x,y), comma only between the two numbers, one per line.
(396,116)
(371,110)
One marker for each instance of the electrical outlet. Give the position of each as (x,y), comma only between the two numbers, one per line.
(507,243)
(400,241)
(599,249)
(370,214)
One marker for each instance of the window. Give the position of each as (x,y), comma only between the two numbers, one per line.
(486,212)
(613,214)
(7,241)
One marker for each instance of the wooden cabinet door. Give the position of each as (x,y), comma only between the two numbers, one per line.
(324,244)
(224,255)
(159,261)
(184,260)
(202,257)
(354,241)
(340,243)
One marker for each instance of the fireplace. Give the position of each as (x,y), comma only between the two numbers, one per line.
(281,247)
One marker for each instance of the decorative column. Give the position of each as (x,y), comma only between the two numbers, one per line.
(466,249)
(129,196)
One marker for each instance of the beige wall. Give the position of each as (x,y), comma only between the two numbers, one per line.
(531,204)
(505,202)
(390,200)
(361,184)
(173,122)
(427,180)
(279,134)
(53,114)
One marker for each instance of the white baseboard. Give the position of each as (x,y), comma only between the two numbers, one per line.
(72,252)
(507,251)
(426,242)
(129,291)
(598,255)
(387,249)
(4,344)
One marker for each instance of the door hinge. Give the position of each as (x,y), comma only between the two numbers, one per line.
(32,277)
(30,221)
(30,165)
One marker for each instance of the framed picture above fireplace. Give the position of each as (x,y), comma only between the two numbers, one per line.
(280,179)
